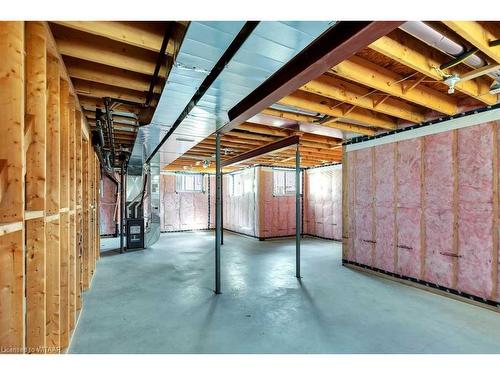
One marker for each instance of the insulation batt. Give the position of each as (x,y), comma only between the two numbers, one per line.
(363,207)
(323,206)
(181,210)
(108,204)
(408,207)
(278,212)
(475,189)
(420,224)
(384,207)
(438,211)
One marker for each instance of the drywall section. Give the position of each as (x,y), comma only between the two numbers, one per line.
(426,209)
(109,209)
(49,175)
(183,210)
(323,202)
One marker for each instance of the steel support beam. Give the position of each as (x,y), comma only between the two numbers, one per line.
(335,45)
(265,149)
(297,212)
(218,212)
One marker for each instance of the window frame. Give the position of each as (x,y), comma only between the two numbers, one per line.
(286,172)
(180,187)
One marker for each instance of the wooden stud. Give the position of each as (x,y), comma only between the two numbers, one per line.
(64,217)
(345,203)
(374,200)
(12,119)
(12,250)
(53,287)
(85,210)
(455,243)
(53,141)
(36,107)
(395,208)
(79,226)
(72,223)
(52,207)
(423,243)
(11,292)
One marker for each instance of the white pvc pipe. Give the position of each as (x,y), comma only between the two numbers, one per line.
(428,35)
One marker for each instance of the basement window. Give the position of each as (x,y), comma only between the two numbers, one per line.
(189,183)
(241,183)
(284,182)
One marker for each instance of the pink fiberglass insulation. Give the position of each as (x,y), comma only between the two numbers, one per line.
(438,211)
(323,215)
(181,210)
(169,204)
(471,269)
(211,179)
(475,189)
(239,204)
(384,207)
(278,211)
(408,207)
(108,206)
(497,124)
(363,207)
(351,179)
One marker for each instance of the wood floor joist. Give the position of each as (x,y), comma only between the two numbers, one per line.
(410,52)
(372,75)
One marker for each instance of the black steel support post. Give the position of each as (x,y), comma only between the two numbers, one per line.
(218,212)
(297,212)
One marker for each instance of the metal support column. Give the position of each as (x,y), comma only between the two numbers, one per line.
(297,212)
(222,209)
(122,208)
(218,212)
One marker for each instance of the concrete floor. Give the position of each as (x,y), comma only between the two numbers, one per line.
(160,300)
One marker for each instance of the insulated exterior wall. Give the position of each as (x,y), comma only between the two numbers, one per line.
(429,206)
(182,210)
(108,206)
(323,202)
(239,209)
(475,210)
(211,206)
(277,213)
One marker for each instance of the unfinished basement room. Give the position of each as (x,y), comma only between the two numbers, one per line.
(249,187)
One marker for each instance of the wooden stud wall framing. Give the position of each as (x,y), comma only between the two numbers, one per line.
(42,208)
